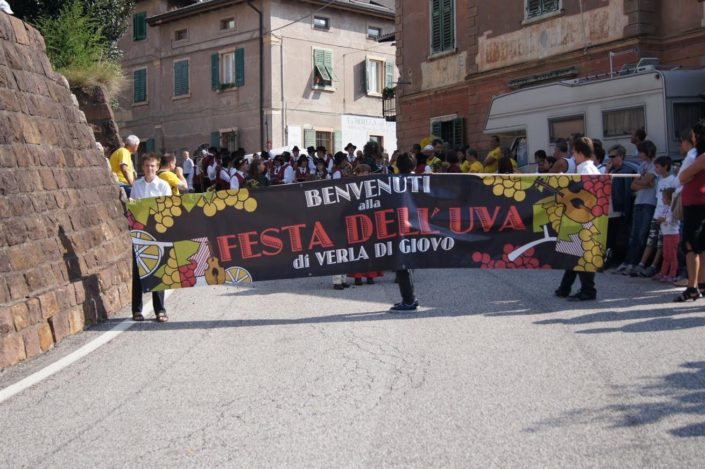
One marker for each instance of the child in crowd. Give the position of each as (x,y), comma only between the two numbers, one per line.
(671,237)
(654,241)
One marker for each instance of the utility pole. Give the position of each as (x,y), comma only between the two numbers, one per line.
(262,140)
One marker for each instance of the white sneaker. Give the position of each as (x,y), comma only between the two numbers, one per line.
(628,270)
(622,267)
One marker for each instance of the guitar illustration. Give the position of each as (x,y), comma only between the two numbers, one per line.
(577,201)
(215,274)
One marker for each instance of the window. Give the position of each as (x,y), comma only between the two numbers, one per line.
(227,23)
(181,85)
(324,139)
(322,23)
(323,74)
(379,74)
(686,114)
(373,32)
(228,140)
(139,86)
(564,127)
(442,25)
(621,122)
(378,139)
(181,34)
(228,69)
(536,8)
(139,26)
(450,130)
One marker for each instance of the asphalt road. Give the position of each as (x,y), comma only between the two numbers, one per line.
(492,371)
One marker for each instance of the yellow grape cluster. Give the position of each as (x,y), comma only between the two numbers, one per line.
(555,213)
(561,182)
(237,198)
(172,277)
(592,258)
(507,186)
(167,209)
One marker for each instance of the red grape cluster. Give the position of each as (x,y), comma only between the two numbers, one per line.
(188,277)
(132,223)
(525,261)
(602,189)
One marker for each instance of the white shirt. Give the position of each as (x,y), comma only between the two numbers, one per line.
(571,165)
(234,181)
(142,189)
(668,227)
(289,175)
(211,171)
(587,167)
(689,158)
(188,171)
(669,181)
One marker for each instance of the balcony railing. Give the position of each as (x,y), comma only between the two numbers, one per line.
(389,104)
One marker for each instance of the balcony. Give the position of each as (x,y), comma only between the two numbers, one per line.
(389,104)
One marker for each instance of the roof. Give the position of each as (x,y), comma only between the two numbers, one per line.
(383,8)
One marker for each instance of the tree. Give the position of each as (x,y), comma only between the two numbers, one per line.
(79,49)
(111,15)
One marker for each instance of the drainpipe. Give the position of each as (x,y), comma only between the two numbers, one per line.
(261,76)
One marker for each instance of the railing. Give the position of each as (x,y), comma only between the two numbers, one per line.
(389,104)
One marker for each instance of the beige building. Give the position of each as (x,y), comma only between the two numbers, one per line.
(195,74)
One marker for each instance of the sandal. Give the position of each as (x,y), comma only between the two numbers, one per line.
(137,317)
(162,317)
(691,294)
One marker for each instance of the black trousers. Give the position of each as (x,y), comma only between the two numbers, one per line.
(406,285)
(617,239)
(157,296)
(587,282)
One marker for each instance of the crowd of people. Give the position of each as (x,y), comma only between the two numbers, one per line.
(656,216)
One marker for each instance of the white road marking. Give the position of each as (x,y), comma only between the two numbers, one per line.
(73,357)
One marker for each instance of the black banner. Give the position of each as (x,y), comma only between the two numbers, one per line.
(371,223)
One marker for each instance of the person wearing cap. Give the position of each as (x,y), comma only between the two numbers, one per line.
(363,169)
(240,166)
(295,154)
(350,148)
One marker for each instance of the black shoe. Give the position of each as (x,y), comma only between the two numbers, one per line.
(338,286)
(401,306)
(560,293)
(345,284)
(370,281)
(358,282)
(581,296)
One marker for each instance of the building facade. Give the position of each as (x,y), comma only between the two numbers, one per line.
(454,56)
(196,74)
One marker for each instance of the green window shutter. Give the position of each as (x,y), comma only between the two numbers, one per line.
(139,26)
(389,74)
(240,67)
(448,29)
(309,138)
(436,129)
(328,63)
(215,72)
(149,145)
(319,66)
(436,43)
(338,140)
(533,8)
(181,85)
(215,139)
(366,76)
(140,85)
(458,132)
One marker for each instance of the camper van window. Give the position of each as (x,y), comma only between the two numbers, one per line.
(621,122)
(564,127)
(686,114)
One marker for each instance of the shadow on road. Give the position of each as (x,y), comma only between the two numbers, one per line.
(679,393)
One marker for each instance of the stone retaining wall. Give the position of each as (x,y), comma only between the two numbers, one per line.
(64,244)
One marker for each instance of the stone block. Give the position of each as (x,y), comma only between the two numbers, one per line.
(17,286)
(6,323)
(79,292)
(20,316)
(4,293)
(11,350)
(35,311)
(30,337)
(76,320)
(46,339)
(49,304)
(59,324)
(20,30)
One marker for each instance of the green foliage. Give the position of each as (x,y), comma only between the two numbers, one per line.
(78,48)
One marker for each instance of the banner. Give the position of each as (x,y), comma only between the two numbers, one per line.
(371,223)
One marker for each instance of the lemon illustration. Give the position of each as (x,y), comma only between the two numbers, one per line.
(237,275)
(147,255)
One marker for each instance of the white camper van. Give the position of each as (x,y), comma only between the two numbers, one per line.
(610,108)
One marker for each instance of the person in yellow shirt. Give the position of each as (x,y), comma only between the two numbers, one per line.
(172,175)
(471,163)
(121,162)
(492,158)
